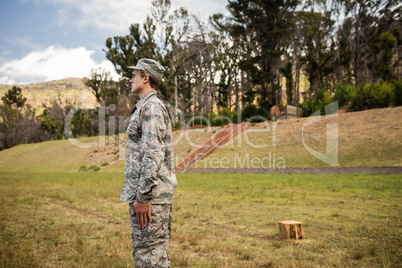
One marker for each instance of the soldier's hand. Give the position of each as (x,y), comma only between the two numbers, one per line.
(143,213)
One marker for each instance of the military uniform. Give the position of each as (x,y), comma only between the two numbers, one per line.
(149,177)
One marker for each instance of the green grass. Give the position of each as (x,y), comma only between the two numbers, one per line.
(219,220)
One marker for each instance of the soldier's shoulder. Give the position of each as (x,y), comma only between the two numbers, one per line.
(154,104)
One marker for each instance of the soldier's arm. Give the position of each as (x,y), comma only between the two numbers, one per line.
(153,150)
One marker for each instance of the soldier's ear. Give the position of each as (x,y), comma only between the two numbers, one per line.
(146,78)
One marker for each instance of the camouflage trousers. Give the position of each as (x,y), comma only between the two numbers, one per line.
(151,244)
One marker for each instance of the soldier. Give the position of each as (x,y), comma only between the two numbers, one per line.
(149,172)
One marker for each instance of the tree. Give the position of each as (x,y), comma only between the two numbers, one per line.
(388,43)
(316,29)
(18,124)
(13,102)
(173,33)
(343,62)
(14,98)
(287,72)
(53,117)
(263,27)
(102,86)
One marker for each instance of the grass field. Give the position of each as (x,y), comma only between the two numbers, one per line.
(367,138)
(220,220)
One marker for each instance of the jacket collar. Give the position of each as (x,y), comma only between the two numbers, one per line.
(143,100)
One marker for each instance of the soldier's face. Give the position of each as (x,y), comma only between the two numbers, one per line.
(136,82)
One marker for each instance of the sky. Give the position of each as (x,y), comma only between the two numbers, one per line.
(43,40)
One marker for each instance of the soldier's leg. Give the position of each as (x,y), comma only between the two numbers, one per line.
(151,244)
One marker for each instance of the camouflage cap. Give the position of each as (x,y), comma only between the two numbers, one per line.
(151,67)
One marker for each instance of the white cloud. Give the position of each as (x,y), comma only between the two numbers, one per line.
(116,16)
(5,80)
(112,16)
(207,8)
(51,64)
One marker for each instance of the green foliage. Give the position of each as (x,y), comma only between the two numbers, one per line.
(53,126)
(368,96)
(9,116)
(81,123)
(102,86)
(311,105)
(224,118)
(248,53)
(397,86)
(94,168)
(177,124)
(104,164)
(232,115)
(318,60)
(267,26)
(216,120)
(388,42)
(13,97)
(198,120)
(343,94)
(251,111)
(83,168)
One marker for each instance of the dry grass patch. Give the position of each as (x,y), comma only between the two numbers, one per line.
(367,138)
(372,137)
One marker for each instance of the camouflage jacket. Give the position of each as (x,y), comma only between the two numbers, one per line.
(149,171)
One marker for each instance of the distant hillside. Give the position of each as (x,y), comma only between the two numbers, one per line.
(367,138)
(69,89)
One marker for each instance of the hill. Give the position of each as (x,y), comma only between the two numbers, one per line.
(71,89)
(369,138)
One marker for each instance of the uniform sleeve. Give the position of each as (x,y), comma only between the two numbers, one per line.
(153,150)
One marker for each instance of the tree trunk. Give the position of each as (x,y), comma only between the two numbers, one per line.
(243,86)
(176,107)
(236,95)
(357,53)
(296,99)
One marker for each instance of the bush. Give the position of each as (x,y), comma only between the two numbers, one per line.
(177,124)
(198,120)
(224,118)
(343,94)
(310,106)
(94,168)
(104,164)
(216,120)
(81,123)
(230,114)
(83,168)
(252,110)
(381,95)
(397,89)
(368,96)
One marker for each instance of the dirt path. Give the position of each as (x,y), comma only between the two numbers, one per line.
(301,170)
